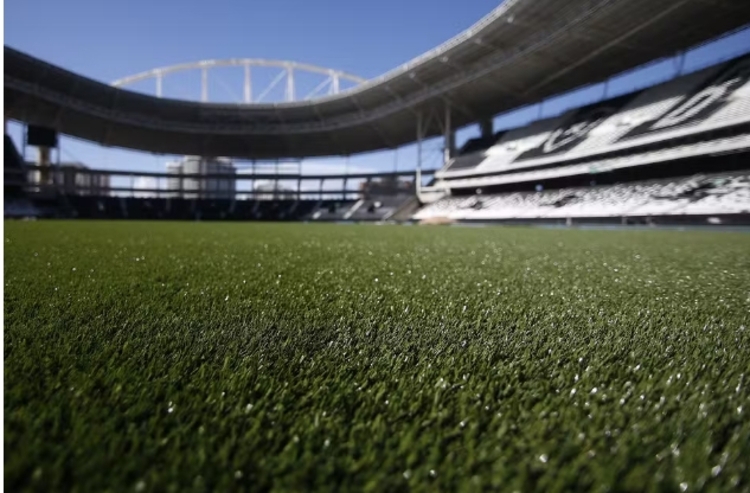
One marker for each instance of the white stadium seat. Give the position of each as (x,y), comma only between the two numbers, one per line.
(695,195)
(711,99)
(694,118)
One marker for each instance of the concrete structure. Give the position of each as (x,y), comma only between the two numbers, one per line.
(389,185)
(71,179)
(212,178)
(273,191)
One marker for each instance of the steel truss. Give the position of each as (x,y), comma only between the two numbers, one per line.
(331,82)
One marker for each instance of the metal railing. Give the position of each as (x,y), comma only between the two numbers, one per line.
(56,180)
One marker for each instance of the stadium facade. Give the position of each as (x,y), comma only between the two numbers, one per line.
(675,150)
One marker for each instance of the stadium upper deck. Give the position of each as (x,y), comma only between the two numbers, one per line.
(701,113)
(522,52)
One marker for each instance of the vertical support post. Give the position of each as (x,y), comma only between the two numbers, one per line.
(289,83)
(158,85)
(204,85)
(418,177)
(56,168)
(680,63)
(485,127)
(346,178)
(276,180)
(419,141)
(449,138)
(299,189)
(320,197)
(248,85)
(44,165)
(336,81)
(24,143)
(252,179)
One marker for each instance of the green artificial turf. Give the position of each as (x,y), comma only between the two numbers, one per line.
(293,357)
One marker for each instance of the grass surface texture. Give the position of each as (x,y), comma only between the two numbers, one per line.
(294,357)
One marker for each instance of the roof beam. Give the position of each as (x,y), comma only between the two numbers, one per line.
(398,98)
(606,46)
(333,135)
(386,140)
(448,100)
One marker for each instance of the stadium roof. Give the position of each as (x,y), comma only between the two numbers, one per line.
(520,53)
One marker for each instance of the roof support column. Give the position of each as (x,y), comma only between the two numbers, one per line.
(24,143)
(449,137)
(290,84)
(420,136)
(276,180)
(248,87)
(204,85)
(44,163)
(346,177)
(679,65)
(485,126)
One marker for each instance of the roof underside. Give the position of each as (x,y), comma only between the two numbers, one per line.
(522,52)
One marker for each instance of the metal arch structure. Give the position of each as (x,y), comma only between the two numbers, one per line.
(519,54)
(332,79)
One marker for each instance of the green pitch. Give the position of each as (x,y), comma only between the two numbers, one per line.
(231,357)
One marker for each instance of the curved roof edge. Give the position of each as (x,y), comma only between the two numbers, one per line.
(520,53)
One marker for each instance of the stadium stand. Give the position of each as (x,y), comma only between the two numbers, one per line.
(473,153)
(13,172)
(190,209)
(330,210)
(378,208)
(16,202)
(678,149)
(713,98)
(698,195)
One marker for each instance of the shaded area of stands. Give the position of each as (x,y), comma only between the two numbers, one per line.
(25,200)
(378,208)
(16,203)
(87,207)
(91,207)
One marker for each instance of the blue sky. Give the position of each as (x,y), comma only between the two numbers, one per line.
(108,40)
